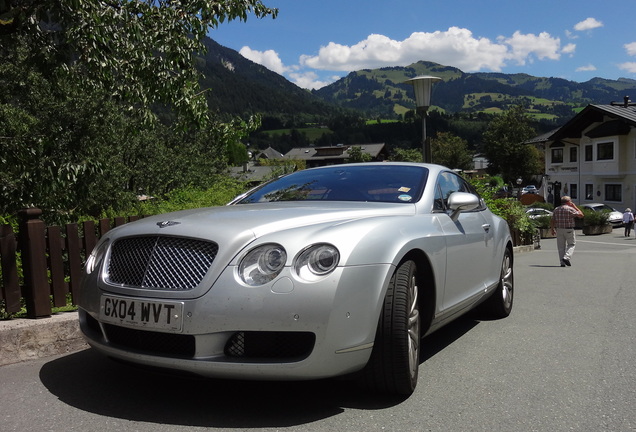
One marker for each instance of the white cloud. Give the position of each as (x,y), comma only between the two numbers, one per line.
(455,47)
(309,80)
(628,67)
(269,59)
(630,48)
(525,46)
(587,68)
(588,24)
(569,49)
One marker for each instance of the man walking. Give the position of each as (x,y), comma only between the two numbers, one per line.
(562,224)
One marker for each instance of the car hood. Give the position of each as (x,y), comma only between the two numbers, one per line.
(233,227)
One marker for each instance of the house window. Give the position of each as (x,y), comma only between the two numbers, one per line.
(613,192)
(573,154)
(589,191)
(605,151)
(589,152)
(557,155)
(574,191)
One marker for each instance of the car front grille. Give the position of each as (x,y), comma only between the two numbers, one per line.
(158,262)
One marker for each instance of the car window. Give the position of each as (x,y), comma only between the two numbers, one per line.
(369,183)
(447,183)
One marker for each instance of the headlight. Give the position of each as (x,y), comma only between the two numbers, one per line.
(317,261)
(96,256)
(262,264)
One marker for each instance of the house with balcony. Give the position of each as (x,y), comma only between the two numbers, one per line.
(592,158)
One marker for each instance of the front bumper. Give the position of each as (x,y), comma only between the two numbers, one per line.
(288,329)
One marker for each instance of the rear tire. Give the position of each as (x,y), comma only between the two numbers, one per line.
(499,305)
(394,363)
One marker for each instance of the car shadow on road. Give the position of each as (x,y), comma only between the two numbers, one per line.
(91,382)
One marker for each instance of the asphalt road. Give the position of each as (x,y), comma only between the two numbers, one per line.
(565,360)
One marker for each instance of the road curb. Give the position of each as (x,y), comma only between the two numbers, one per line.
(524,248)
(30,339)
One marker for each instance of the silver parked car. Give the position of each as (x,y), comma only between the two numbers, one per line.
(537,212)
(614,217)
(325,272)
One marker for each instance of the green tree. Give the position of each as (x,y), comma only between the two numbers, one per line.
(406,155)
(505,149)
(357,155)
(138,51)
(72,151)
(451,151)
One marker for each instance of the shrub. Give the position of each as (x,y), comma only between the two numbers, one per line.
(542,222)
(594,218)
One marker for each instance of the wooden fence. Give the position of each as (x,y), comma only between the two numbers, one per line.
(44,264)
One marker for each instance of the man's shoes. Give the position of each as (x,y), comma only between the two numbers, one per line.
(567,262)
(562,264)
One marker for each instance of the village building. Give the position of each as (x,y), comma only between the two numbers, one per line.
(592,158)
(338,154)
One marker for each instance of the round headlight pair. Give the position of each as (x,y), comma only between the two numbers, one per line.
(264,263)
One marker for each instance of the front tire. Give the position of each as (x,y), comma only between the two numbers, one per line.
(394,363)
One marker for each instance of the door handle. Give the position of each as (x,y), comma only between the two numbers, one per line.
(486,227)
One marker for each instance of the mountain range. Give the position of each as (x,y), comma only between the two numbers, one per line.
(239,86)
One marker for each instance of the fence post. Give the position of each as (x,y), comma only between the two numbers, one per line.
(32,241)
(11,286)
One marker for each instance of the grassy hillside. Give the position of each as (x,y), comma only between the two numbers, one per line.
(383,92)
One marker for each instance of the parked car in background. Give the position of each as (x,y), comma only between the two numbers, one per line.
(614,217)
(532,189)
(536,212)
(330,271)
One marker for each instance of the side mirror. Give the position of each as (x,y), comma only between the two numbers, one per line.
(461,201)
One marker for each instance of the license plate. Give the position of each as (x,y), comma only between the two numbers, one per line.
(142,313)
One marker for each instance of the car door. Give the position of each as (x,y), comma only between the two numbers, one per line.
(469,243)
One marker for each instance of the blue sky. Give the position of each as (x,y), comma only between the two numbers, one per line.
(314,43)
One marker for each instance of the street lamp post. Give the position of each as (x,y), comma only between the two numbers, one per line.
(519,181)
(422,86)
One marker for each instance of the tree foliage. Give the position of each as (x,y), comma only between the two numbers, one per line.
(357,155)
(73,150)
(406,155)
(451,151)
(138,51)
(505,149)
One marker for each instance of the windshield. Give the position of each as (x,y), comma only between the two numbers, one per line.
(374,183)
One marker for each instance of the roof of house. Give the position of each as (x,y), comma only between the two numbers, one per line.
(251,172)
(626,113)
(541,138)
(270,153)
(332,152)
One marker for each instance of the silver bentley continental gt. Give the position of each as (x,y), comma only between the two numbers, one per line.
(331,271)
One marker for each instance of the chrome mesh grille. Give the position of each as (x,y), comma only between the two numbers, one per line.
(156,262)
